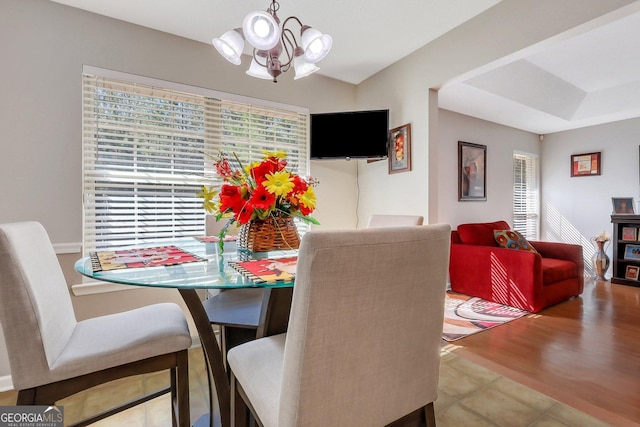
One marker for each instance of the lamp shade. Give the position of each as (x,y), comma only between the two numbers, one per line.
(315,44)
(303,68)
(261,30)
(259,71)
(230,46)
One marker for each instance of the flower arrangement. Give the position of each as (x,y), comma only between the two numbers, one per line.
(258,191)
(603,237)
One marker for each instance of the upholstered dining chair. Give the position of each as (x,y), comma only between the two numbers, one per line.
(378,220)
(237,311)
(52,355)
(363,342)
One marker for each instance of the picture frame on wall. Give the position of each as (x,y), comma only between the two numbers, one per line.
(472,172)
(587,164)
(623,205)
(400,149)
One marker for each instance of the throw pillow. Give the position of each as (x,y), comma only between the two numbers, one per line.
(481,233)
(511,239)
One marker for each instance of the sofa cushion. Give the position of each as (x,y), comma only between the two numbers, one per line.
(480,234)
(556,270)
(511,239)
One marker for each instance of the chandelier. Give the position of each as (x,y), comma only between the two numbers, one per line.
(275,48)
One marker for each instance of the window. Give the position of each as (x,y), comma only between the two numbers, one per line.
(526,205)
(147,150)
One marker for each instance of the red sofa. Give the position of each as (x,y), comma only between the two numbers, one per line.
(519,278)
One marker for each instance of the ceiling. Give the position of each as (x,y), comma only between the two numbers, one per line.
(583,80)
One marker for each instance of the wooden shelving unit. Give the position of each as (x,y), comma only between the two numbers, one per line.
(620,247)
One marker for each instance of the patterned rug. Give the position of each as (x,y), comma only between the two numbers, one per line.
(465,315)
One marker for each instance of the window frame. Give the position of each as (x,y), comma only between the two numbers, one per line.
(219,109)
(526,207)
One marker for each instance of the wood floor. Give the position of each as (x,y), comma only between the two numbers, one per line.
(584,352)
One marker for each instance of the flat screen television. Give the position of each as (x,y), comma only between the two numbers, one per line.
(349,134)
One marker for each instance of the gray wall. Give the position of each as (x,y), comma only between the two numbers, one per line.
(501,142)
(408,89)
(43,46)
(575,209)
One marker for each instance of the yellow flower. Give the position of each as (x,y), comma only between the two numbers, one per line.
(279,183)
(277,154)
(308,199)
(208,193)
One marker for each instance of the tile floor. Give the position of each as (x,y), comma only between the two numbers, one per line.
(469,395)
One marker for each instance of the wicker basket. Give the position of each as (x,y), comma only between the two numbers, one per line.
(269,235)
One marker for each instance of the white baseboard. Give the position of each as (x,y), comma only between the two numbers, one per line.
(97,287)
(67,248)
(5,383)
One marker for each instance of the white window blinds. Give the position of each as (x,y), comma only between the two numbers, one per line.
(526,205)
(147,150)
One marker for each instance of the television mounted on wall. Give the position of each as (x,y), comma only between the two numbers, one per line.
(349,135)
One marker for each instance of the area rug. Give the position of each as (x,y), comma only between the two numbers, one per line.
(465,315)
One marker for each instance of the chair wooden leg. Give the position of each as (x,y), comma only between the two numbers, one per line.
(239,408)
(180,391)
(430,415)
(27,397)
(173,373)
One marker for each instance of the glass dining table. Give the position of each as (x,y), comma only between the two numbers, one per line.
(203,267)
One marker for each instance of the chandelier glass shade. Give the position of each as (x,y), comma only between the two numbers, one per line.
(275,48)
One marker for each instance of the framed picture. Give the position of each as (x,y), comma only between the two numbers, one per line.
(629,233)
(400,149)
(623,205)
(472,171)
(587,164)
(632,252)
(632,272)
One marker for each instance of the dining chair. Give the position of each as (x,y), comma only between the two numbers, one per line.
(379,220)
(237,311)
(363,341)
(52,355)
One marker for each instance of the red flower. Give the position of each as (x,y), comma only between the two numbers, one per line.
(262,199)
(245,213)
(264,168)
(230,198)
(223,168)
(300,185)
(304,210)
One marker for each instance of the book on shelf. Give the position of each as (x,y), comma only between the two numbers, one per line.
(268,270)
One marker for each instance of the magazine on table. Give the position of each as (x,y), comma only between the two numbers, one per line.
(140,257)
(269,270)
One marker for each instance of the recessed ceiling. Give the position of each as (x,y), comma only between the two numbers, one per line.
(584,80)
(569,82)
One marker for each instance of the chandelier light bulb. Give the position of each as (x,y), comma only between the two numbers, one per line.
(303,68)
(230,45)
(261,27)
(258,71)
(261,30)
(315,44)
